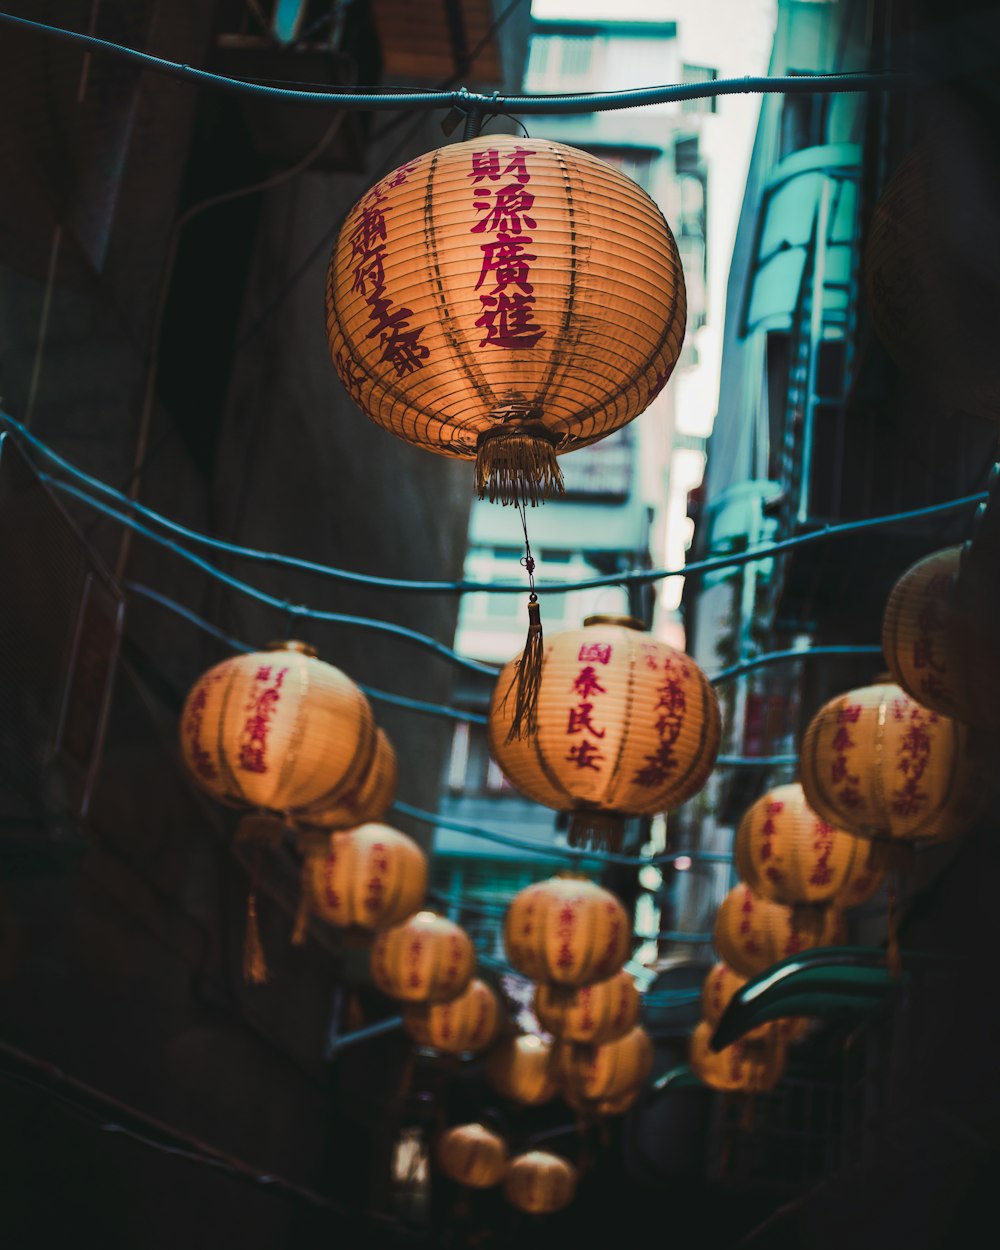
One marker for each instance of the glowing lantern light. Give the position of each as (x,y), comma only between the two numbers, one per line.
(369,878)
(368,801)
(626,726)
(877,763)
(596,1073)
(539,1182)
(427,959)
(471,1155)
(596,1013)
(522,1069)
(752,933)
(566,932)
(466,1023)
(752,1069)
(720,986)
(505,301)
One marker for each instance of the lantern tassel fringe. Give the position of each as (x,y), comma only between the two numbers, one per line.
(527,680)
(517,467)
(599,830)
(255,971)
(302,912)
(893,953)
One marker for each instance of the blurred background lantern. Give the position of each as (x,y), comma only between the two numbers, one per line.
(719,987)
(602,1108)
(626,726)
(505,300)
(539,1182)
(369,800)
(566,932)
(752,933)
(596,1013)
(786,853)
(877,763)
(523,1070)
(596,1073)
(753,1068)
(427,959)
(471,1155)
(466,1023)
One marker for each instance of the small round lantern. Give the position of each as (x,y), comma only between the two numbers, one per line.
(505,301)
(720,986)
(539,1182)
(752,933)
(278,731)
(751,1069)
(594,1014)
(596,1073)
(877,763)
(471,1155)
(468,1023)
(626,726)
(371,877)
(566,932)
(938,642)
(368,801)
(786,853)
(522,1069)
(427,959)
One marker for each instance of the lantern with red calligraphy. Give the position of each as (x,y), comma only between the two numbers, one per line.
(471,1155)
(720,986)
(467,1023)
(522,1069)
(596,1073)
(626,726)
(786,853)
(539,1182)
(876,762)
(369,800)
(743,1067)
(566,932)
(370,878)
(596,1013)
(752,933)
(505,301)
(427,959)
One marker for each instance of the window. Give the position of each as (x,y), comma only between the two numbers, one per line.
(699,73)
(558,58)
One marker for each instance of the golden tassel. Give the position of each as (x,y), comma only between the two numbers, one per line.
(599,830)
(527,679)
(893,954)
(303,910)
(254,964)
(517,466)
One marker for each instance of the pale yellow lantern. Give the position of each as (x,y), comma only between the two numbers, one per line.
(626,726)
(523,1070)
(468,1023)
(471,1155)
(368,878)
(566,932)
(596,1073)
(539,1182)
(505,300)
(368,801)
(426,959)
(752,933)
(596,1013)
(742,1067)
(876,762)
(278,731)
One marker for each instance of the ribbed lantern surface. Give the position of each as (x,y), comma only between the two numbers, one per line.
(566,932)
(940,644)
(596,1013)
(369,800)
(752,933)
(471,1155)
(276,730)
(595,1073)
(427,959)
(875,762)
(523,1070)
(466,1023)
(627,726)
(539,1182)
(503,291)
(752,1069)
(786,853)
(371,877)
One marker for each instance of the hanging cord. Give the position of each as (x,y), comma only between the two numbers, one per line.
(255,970)
(527,680)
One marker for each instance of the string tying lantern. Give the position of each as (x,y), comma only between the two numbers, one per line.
(427,959)
(539,1182)
(471,1155)
(467,1023)
(626,726)
(752,933)
(593,1014)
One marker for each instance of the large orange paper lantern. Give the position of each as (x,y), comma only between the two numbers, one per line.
(742,1067)
(752,933)
(786,853)
(719,987)
(938,638)
(539,1182)
(523,1070)
(505,300)
(369,800)
(596,1013)
(370,877)
(596,1073)
(466,1023)
(566,932)
(626,726)
(876,762)
(278,731)
(427,959)
(471,1155)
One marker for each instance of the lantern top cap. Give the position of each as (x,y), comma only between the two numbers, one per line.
(610,618)
(290,644)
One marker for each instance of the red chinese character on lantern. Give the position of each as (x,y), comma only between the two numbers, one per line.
(595,653)
(508,211)
(586,684)
(585,755)
(580,720)
(487,165)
